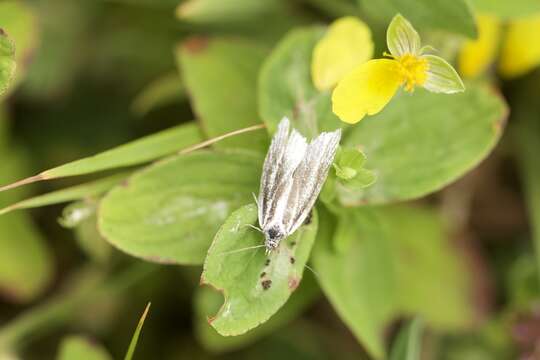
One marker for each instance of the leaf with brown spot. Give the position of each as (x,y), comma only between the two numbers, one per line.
(250,300)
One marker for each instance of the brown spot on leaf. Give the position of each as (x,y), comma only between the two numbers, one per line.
(195,44)
(267,262)
(293,260)
(293,243)
(293,283)
(266,284)
(263,274)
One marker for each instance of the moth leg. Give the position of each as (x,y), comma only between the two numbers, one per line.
(254,227)
(255,198)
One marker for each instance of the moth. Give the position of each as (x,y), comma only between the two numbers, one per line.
(292,178)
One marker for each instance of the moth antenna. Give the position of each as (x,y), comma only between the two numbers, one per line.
(255,198)
(311,269)
(242,249)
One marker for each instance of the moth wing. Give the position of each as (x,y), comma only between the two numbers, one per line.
(283,157)
(310,177)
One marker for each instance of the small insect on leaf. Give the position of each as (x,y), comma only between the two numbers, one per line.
(255,285)
(293,175)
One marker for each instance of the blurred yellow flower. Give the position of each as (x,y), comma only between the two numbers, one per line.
(369,87)
(520,51)
(477,55)
(346,44)
(519,47)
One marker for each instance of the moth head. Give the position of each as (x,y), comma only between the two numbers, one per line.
(272,237)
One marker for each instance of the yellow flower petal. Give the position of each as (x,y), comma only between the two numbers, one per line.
(366,90)
(346,45)
(477,55)
(521,48)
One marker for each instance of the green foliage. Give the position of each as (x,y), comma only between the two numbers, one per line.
(7,61)
(137,152)
(528,137)
(234,65)
(77,192)
(507,9)
(81,348)
(215,11)
(408,345)
(26,264)
(94,74)
(453,16)
(438,139)
(136,334)
(253,284)
(208,302)
(286,88)
(162,91)
(134,153)
(366,270)
(170,212)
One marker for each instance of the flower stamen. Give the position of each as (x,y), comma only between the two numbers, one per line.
(414,70)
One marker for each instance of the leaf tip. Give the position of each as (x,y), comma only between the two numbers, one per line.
(195,44)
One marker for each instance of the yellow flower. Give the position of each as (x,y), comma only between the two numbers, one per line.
(369,87)
(346,44)
(477,55)
(519,53)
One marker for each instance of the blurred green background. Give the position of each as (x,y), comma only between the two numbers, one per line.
(92,75)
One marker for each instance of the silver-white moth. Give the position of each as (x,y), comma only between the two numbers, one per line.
(293,175)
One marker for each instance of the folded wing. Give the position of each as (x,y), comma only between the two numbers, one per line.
(309,178)
(284,156)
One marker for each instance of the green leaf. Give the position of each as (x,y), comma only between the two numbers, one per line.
(380,262)
(26,265)
(90,240)
(286,87)
(255,285)
(136,334)
(217,11)
(358,279)
(421,143)
(208,301)
(81,348)
(221,78)
(408,345)
(507,9)
(348,162)
(77,192)
(170,211)
(454,16)
(19,20)
(427,263)
(162,91)
(133,153)
(7,61)
(527,136)
(363,178)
